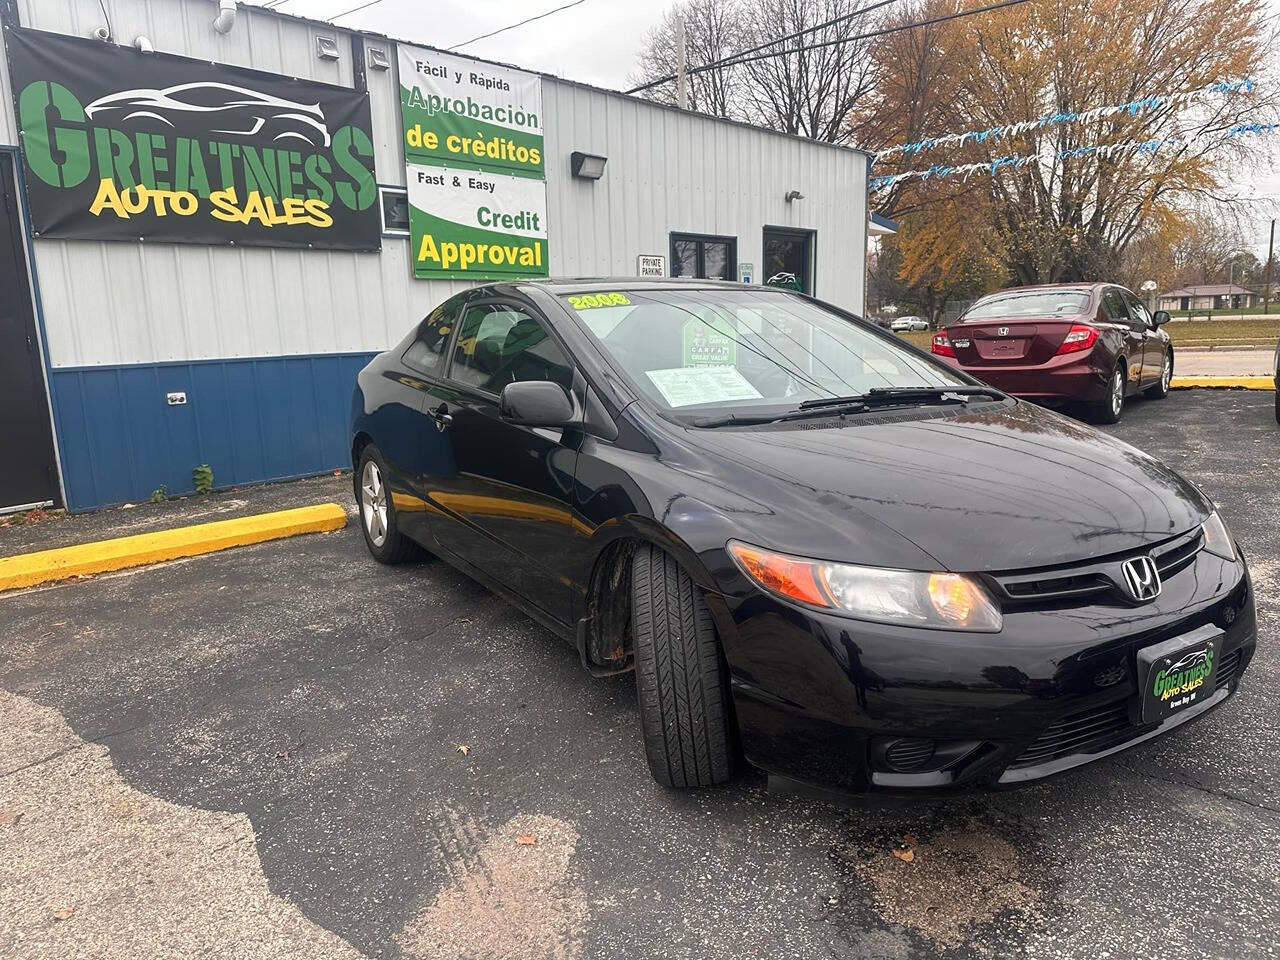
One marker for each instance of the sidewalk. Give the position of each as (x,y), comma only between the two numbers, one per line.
(61,530)
(1223,363)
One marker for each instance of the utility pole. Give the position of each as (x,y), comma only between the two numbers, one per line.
(682,83)
(1271,249)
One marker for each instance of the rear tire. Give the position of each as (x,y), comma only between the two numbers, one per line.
(1160,389)
(1108,409)
(378,512)
(681,679)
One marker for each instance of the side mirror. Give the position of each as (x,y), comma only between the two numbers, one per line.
(536,403)
(1161,317)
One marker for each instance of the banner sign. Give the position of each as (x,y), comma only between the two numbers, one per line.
(473,225)
(124,145)
(467,113)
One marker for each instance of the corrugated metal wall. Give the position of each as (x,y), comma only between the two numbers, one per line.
(187,314)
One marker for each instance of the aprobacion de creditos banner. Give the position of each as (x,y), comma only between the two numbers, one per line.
(465,223)
(473,144)
(123,145)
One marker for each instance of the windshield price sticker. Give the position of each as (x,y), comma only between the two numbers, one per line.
(588,301)
(687,386)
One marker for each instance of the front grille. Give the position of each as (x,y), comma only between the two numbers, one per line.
(1098,576)
(1086,732)
(1228,668)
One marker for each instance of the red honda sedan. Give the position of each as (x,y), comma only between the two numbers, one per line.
(1093,343)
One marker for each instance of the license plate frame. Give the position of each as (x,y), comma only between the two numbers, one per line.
(1178,674)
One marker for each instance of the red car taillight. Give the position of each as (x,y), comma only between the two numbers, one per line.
(1079,337)
(941,346)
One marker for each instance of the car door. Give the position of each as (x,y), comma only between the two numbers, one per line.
(1152,343)
(506,506)
(1117,311)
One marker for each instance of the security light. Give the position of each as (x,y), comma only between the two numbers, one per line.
(587,165)
(793,195)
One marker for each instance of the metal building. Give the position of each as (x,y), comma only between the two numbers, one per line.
(126,363)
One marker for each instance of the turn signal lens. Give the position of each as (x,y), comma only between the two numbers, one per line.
(789,576)
(1079,337)
(941,346)
(943,601)
(1217,540)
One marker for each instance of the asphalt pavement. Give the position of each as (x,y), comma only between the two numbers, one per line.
(288,750)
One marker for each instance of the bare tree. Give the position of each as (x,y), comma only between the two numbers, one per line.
(815,88)
(712,31)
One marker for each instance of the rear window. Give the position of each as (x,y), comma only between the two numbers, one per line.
(1040,303)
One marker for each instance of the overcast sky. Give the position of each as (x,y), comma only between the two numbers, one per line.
(598,42)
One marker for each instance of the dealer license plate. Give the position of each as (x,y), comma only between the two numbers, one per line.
(1179,673)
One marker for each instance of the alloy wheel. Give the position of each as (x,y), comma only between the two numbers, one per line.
(1166,375)
(1117,393)
(373,503)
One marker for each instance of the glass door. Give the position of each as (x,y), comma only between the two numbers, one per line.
(788,259)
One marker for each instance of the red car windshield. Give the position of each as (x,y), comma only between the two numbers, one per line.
(1038,303)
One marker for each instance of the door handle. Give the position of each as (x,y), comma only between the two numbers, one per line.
(441,416)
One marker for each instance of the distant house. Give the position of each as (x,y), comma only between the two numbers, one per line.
(1209,296)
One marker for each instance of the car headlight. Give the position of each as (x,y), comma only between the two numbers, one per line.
(938,600)
(1217,539)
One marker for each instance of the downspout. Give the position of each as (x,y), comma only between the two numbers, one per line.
(226,18)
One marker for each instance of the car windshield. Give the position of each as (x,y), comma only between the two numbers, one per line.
(750,351)
(1038,303)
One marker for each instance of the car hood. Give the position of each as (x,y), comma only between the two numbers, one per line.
(1009,486)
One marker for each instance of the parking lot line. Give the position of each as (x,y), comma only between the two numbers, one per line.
(30,569)
(1247,383)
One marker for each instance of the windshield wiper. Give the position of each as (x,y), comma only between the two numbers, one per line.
(883,396)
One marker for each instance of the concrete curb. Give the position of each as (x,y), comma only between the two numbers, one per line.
(30,569)
(1239,383)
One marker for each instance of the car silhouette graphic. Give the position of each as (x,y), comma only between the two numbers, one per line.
(227,110)
(1189,660)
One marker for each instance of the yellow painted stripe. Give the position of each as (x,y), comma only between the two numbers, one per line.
(29,569)
(1248,383)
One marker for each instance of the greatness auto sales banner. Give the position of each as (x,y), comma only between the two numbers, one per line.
(123,145)
(474,148)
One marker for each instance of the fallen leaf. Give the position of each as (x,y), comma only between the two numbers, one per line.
(905,855)
(9,816)
(527,839)
(908,839)
(63,913)
(463,749)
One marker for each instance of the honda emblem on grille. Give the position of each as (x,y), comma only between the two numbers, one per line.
(1141,578)
(1002,331)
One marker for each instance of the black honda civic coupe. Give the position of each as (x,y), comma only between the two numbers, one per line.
(818,548)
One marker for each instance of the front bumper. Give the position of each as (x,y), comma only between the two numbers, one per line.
(818,696)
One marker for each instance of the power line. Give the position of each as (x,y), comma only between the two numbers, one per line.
(494,33)
(861,11)
(363,6)
(737,59)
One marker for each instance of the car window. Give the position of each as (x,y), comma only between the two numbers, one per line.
(695,350)
(1139,312)
(1029,303)
(426,353)
(501,343)
(1113,303)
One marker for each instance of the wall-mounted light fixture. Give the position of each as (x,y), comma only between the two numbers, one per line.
(327,48)
(588,166)
(378,59)
(793,195)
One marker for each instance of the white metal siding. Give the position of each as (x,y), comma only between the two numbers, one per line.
(120,303)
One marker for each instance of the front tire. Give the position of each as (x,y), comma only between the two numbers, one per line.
(378,512)
(1109,408)
(1160,389)
(681,678)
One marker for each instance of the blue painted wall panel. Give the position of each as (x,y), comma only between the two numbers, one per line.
(250,419)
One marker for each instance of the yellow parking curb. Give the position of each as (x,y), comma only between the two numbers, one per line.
(1247,383)
(29,569)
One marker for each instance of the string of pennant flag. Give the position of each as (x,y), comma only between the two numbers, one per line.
(965,170)
(1178,101)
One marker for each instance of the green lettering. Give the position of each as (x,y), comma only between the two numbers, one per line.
(260,172)
(189,171)
(114,151)
(349,144)
(57,154)
(318,169)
